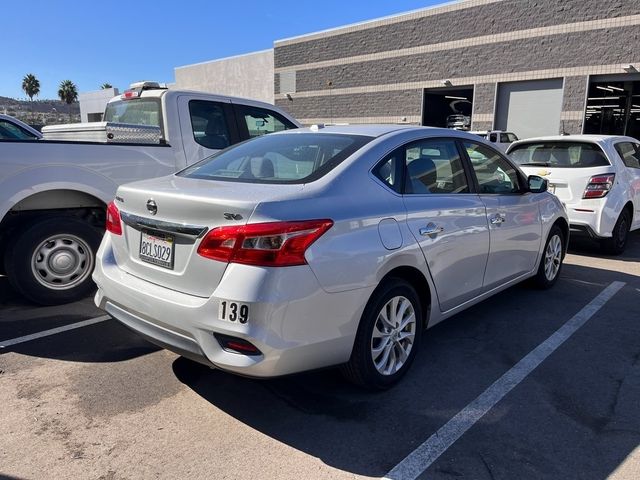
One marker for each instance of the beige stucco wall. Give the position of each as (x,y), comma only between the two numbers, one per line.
(249,76)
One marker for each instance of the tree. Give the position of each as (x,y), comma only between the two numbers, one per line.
(68,93)
(106,85)
(31,85)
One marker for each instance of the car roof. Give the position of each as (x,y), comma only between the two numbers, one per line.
(378,130)
(598,139)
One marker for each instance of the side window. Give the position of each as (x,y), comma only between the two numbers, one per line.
(434,166)
(511,137)
(388,170)
(629,153)
(10,131)
(209,124)
(493,137)
(260,121)
(494,173)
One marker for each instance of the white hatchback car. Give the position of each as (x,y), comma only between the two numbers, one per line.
(596,177)
(324,246)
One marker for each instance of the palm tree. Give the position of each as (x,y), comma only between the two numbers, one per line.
(31,85)
(68,93)
(106,85)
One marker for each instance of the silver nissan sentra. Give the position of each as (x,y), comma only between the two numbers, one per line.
(324,246)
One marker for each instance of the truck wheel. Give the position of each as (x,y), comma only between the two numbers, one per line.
(51,262)
(388,337)
(618,241)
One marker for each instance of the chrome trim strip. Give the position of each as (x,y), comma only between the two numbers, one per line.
(138,223)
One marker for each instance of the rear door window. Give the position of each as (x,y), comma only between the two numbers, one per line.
(434,166)
(559,155)
(209,124)
(629,153)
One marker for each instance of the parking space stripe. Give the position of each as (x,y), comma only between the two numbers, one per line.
(427,453)
(53,331)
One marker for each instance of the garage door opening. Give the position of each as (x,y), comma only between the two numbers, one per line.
(613,108)
(448,107)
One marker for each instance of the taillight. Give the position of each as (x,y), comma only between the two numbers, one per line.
(129,95)
(113,219)
(274,244)
(599,186)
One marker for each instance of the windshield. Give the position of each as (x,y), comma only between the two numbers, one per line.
(293,158)
(559,155)
(141,111)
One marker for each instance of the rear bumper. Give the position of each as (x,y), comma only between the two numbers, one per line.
(584,231)
(295,324)
(592,218)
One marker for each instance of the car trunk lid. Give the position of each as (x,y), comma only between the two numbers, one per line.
(162,247)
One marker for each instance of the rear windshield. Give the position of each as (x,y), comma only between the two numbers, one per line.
(289,158)
(559,155)
(141,111)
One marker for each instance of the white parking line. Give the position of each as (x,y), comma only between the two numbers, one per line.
(53,331)
(427,453)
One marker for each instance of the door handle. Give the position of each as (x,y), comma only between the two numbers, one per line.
(431,229)
(497,219)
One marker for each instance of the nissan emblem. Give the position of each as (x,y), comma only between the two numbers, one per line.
(152,207)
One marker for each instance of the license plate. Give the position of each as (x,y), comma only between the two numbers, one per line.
(233,312)
(157,248)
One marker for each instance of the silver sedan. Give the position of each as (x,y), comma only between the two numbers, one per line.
(325,246)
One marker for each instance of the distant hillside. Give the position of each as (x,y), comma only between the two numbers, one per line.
(37,106)
(40,112)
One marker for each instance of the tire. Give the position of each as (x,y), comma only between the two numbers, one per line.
(362,368)
(618,241)
(50,263)
(551,261)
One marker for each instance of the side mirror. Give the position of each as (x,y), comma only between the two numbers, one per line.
(537,184)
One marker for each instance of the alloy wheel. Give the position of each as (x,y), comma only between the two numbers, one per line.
(393,335)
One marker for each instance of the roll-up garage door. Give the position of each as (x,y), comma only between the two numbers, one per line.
(530,109)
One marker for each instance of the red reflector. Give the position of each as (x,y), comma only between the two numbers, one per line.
(237,345)
(274,244)
(113,225)
(242,347)
(599,186)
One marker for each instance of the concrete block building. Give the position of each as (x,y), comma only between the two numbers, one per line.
(531,67)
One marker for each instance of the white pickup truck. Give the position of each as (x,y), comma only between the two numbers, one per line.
(54,192)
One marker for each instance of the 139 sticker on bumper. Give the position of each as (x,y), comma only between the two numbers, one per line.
(233,312)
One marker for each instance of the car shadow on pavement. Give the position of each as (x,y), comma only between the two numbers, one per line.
(106,341)
(9,297)
(368,433)
(591,248)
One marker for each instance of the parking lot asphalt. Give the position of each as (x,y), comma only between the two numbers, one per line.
(98,402)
